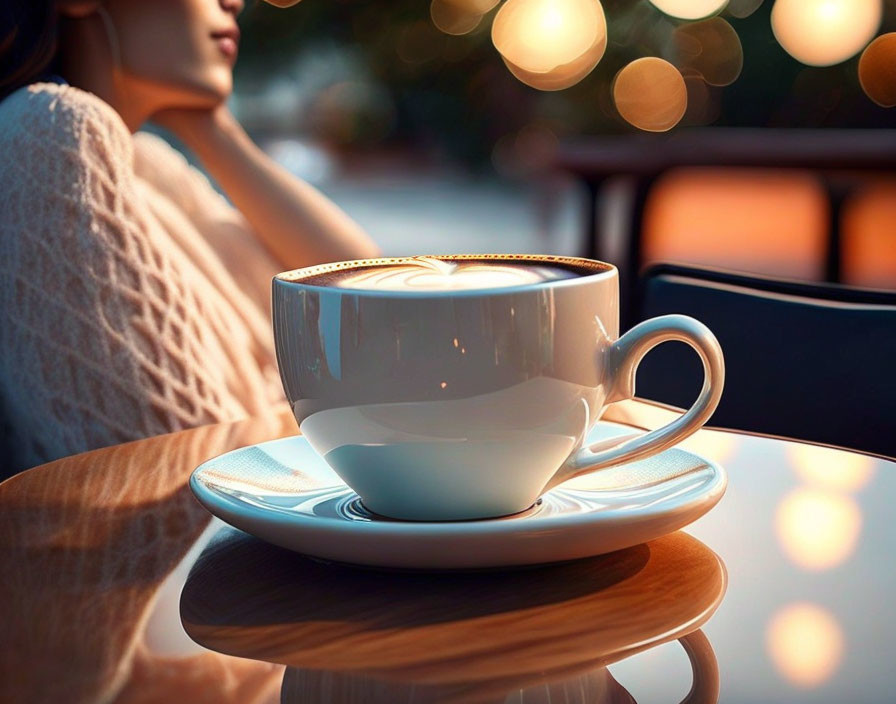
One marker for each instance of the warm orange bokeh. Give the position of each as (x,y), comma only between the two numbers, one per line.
(550,44)
(869,238)
(827,468)
(825,32)
(690,9)
(650,93)
(818,530)
(805,644)
(877,70)
(766,222)
(452,18)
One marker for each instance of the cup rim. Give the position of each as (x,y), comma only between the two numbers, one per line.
(603,271)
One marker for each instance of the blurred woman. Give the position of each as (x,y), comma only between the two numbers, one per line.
(133,297)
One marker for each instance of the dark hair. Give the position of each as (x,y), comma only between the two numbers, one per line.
(28,33)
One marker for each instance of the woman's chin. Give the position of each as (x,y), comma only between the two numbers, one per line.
(203,91)
(213,89)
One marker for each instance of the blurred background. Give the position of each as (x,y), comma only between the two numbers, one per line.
(476,125)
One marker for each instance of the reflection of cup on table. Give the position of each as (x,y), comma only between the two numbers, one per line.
(462,387)
(597,686)
(475,637)
(305,686)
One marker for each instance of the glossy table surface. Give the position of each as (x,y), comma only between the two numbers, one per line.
(116,586)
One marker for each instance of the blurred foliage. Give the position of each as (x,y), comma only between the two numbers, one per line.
(379,73)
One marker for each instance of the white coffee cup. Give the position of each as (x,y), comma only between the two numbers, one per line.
(444,404)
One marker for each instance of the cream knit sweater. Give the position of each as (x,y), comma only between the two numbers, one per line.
(133,298)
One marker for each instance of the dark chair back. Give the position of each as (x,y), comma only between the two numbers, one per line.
(806,361)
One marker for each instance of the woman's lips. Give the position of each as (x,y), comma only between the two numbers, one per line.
(228,42)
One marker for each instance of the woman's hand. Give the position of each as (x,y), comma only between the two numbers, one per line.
(296,223)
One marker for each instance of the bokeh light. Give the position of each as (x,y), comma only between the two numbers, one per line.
(452,18)
(743,8)
(877,70)
(805,644)
(690,9)
(681,220)
(650,94)
(869,257)
(830,469)
(550,44)
(817,529)
(825,32)
(473,7)
(710,49)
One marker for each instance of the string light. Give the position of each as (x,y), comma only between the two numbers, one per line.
(650,94)
(877,70)
(825,32)
(473,7)
(690,9)
(550,44)
(452,20)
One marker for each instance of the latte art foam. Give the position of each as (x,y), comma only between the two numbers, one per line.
(429,274)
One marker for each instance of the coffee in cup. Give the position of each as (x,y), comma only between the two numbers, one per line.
(434,274)
(463,386)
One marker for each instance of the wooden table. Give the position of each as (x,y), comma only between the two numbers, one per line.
(111,576)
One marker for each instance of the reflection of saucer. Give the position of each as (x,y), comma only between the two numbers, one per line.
(472,637)
(283,492)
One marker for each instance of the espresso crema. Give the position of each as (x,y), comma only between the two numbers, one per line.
(431,274)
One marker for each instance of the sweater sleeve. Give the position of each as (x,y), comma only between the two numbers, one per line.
(100,340)
(222,226)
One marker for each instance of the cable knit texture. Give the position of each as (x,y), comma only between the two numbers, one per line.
(133,298)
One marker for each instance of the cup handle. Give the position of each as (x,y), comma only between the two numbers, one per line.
(705,681)
(624,356)
(705,668)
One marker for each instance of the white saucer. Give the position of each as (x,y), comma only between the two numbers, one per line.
(283,492)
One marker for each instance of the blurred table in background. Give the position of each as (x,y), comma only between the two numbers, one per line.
(107,563)
(836,159)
